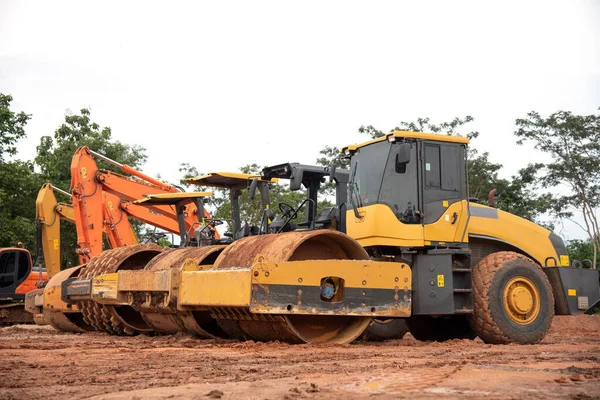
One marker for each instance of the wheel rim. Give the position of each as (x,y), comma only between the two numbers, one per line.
(521,300)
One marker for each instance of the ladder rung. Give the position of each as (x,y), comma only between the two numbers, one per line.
(464,311)
(461,270)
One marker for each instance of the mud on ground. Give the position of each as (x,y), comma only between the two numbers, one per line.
(38,362)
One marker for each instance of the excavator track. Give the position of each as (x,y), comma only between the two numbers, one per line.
(107,318)
(292,246)
(14,313)
(167,319)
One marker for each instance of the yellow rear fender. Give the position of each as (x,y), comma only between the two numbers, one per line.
(533,240)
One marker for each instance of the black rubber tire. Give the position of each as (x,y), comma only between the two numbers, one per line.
(490,320)
(380,330)
(440,329)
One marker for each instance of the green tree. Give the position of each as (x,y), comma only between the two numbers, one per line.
(18,181)
(19,185)
(573,143)
(12,126)
(332,155)
(54,154)
(520,195)
(582,250)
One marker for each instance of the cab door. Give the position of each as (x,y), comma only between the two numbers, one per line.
(443,183)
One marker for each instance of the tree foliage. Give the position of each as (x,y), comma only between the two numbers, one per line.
(521,195)
(12,126)
(453,127)
(582,250)
(573,143)
(19,185)
(18,181)
(54,154)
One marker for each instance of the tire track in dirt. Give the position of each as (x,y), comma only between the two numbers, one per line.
(39,362)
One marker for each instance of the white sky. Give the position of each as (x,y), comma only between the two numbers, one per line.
(224,84)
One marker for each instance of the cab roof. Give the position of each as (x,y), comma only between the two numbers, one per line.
(434,137)
(13,249)
(228,180)
(172,198)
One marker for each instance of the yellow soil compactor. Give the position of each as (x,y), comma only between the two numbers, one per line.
(414,248)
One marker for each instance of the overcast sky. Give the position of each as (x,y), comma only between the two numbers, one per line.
(224,84)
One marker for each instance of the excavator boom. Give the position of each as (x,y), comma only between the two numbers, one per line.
(49,213)
(104,198)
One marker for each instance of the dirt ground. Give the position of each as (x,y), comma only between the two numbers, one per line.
(38,362)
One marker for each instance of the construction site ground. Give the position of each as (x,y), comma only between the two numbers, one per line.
(38,362)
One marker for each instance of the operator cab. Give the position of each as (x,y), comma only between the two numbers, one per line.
(236,184)
(15,269)
(311,177)
(417,179)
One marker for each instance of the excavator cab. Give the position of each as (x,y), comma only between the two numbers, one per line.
(17,278)
(15,267)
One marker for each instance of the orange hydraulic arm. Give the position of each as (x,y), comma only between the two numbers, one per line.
(128,190)
(104,198)
(117,228)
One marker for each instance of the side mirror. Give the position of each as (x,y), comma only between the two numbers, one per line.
(332,170)
(296,178)
(402,157)
(252,190)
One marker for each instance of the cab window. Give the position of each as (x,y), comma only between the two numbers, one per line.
(7,268)
(433,173)
(23,265)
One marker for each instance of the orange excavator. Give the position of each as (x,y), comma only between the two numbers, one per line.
(102,203)
(17,277)
(105,199)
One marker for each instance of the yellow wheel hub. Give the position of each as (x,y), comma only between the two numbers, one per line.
(521,300)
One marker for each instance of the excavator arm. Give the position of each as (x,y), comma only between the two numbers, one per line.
(117,227)
(105,198)
(49,213)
